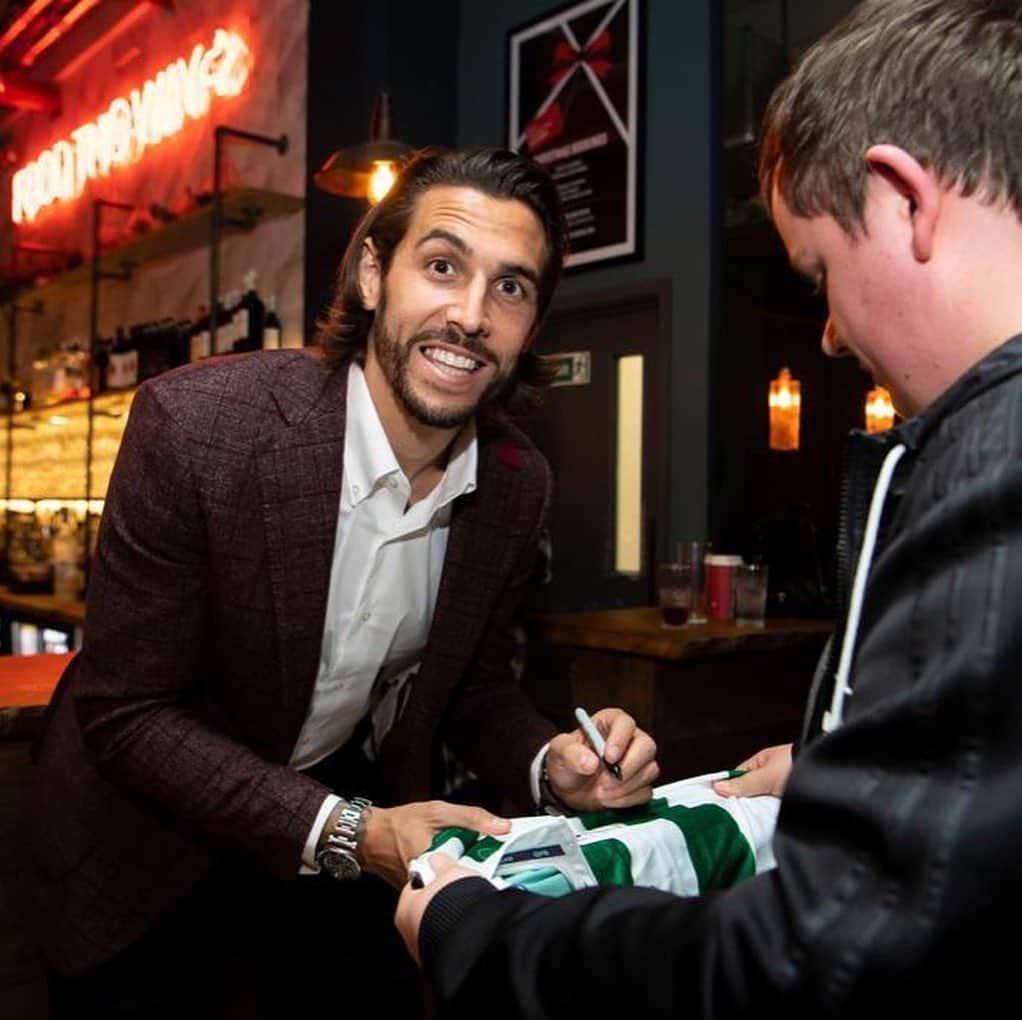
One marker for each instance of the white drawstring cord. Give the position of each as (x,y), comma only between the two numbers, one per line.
(832,719)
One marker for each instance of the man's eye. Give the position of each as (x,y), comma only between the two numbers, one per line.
(442,267)
(511,288)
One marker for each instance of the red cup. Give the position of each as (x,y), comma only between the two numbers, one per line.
(720,586)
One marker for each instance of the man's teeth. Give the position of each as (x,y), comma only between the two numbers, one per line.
(452,360)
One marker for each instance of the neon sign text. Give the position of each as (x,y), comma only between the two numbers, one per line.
(156,110)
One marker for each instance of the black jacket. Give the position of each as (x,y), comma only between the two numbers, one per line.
(899,842)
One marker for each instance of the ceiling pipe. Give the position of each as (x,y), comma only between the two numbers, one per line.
(22,21)
(20,93)
(58,31)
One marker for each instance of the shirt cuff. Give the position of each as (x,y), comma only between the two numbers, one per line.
(309,865)
(534,772)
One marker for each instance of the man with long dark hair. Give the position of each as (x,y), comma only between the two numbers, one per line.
(302,595)
(892,167)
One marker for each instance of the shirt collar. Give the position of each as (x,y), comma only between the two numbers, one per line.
(369,459)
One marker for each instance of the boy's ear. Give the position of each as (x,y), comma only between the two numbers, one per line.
(369,275)
(918,186)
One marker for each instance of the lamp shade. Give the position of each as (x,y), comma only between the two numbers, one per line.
(349,171)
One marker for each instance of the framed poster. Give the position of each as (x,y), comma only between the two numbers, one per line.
(573,100)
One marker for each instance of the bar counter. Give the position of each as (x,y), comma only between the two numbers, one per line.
(46,610)
(711,694)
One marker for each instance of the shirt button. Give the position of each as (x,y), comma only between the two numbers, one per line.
(365,617)
(355,489)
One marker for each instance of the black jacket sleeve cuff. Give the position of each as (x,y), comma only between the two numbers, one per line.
(444,912)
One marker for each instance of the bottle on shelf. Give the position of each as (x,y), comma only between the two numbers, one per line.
(65,554)
(122,367)
(140,336)
(181,333)
(100,361)
(271,325)
(198,340)
(41,386)
(225,329)
(75,367)
(250,317)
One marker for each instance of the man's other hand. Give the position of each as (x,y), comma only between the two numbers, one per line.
(579,779)
(766,772)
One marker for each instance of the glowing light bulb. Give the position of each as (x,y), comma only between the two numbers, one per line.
(785,402)
(382,180)
(879,410)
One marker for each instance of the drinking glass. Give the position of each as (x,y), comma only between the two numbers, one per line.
(750,594)
(674,592)
(694,555)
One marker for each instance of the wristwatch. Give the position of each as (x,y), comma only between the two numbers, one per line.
(337,855)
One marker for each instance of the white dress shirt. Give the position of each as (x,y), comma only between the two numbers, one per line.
(387,562)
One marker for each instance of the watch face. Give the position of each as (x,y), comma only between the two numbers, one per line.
(339,864)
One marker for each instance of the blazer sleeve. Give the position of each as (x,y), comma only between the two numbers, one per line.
(138,694)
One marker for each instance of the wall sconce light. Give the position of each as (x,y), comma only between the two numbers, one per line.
(369,170)
(785,411)
(879,410)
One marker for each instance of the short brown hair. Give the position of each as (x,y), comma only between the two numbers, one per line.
(343,331)
(942,79)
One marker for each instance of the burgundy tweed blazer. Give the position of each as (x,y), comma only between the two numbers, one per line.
(170,734)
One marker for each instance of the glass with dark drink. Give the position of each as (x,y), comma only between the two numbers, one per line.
(674,588)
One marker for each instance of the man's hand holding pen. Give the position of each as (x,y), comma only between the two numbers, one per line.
(580,774)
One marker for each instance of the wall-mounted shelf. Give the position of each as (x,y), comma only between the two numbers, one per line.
(243,210)
(50,444)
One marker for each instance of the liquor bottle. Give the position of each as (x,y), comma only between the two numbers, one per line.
(58,374)
(76,372)
(41,386)
(225,330)
(180,344)
(271,325)
(250,317)
(122,368)
(100,359)
(198,341)
(65,555)
(140,338)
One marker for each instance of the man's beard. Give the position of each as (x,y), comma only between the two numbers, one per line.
(394,356)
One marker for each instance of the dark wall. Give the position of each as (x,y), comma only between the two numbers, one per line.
(358,49)
(679,210)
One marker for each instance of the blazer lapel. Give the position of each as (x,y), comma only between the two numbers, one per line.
(300,473)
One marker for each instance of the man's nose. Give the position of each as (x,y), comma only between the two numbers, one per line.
(468,311)
(831,341)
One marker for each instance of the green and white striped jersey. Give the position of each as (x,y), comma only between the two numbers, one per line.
(686,840)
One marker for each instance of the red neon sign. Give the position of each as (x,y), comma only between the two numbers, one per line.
(120,135)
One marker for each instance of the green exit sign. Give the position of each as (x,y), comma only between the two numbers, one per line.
(572,368)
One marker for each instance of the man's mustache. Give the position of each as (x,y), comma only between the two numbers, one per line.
(467,342)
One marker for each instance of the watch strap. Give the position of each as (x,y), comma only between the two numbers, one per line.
(344,834)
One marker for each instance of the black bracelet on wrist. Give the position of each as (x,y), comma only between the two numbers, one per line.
(547,797)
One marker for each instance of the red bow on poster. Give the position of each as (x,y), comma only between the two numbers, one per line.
(566,57)
(544,128)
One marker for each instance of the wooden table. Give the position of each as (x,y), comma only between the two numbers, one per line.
(711,694)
